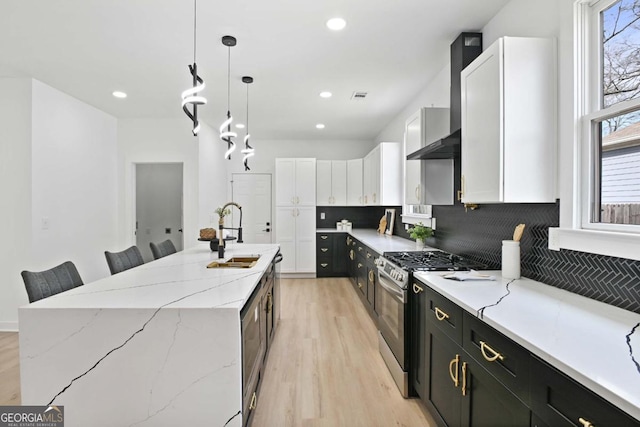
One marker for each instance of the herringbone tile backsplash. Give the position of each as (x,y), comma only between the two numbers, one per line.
(478,235)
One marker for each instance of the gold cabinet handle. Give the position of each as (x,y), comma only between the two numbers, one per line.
(348,240)
(371,276)
(455,362)
(324,265)
(374,197)
(324,237)
(252,405)
(360,285)
(270,303)
(324,249)
(418,193)
(484,347)
(351,254)
(368,255)
(417,289)
(359,265)
(585,423)
(461,191)
(441,315)
(365,200)
(464,379)
(359,248)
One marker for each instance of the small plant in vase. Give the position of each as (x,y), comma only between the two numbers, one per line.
(221,213)
(420,232)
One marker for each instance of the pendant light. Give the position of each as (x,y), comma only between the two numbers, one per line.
(227,135)
(248,149)
(190,96)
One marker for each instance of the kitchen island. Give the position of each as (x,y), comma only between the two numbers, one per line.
(157,345)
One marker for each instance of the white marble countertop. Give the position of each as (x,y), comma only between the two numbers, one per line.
(380,243)
(596,344)
(181,280)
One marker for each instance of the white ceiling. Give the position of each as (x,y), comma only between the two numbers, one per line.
(390,49)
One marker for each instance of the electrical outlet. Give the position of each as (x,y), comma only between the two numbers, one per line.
(45,222)
(433,223)
(322,216)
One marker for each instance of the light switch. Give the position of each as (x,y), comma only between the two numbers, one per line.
(45,222)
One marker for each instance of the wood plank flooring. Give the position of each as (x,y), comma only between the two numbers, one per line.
(323,369)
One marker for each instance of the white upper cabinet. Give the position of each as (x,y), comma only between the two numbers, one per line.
(295,182)
(509,134)
(354,182)
(331,182)
(382,175)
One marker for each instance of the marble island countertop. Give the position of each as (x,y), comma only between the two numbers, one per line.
(596,344)
(155,345)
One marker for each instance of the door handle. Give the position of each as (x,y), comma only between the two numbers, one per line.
(267,230)
(180,230)
(454,373)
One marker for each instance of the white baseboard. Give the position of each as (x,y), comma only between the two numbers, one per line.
(8,326)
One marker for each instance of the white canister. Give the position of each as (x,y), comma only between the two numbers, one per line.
(510,259)
(339,226)
(347,226)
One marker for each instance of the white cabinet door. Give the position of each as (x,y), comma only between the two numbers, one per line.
(412,142)
(339,182)
(367,179)
(375,176)
(305,182)
(285,182)
(305,240)
(354,182)
(481,154)
(323,183)
(286,237)
(509,137)
(389,174)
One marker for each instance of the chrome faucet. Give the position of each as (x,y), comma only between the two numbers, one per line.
(221,227)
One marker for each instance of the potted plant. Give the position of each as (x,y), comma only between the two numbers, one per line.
(221,213)
(420,232)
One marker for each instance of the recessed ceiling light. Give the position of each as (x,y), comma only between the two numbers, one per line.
(336,24)
(325,94)
(239,125)
(319,126)
(119,94)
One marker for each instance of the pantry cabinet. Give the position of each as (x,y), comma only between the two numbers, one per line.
(295,182)
(382,175)
(509,130)
(331,182)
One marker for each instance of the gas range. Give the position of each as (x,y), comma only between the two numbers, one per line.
(399,265)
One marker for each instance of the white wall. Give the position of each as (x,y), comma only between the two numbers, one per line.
(213,176)
(15,195)
(74,183)
(58,164)
(156,141)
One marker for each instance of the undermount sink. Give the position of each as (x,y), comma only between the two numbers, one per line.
(236,262)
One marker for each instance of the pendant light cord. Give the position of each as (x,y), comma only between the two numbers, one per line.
(247,109)
(229,80)
(195,21)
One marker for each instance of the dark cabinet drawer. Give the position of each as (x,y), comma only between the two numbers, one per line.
(502,357)
(445,314)
(558,400)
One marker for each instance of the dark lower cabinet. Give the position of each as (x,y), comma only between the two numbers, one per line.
(460,392)
(557,400)
(331,252)
(418,339)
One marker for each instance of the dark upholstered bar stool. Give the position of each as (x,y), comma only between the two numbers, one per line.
(121,261)
(162,249)
(43,284)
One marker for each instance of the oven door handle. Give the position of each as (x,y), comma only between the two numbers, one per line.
(391,289)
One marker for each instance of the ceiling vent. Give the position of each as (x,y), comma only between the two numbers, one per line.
(358,95)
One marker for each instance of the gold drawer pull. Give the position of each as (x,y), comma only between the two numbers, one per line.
(324,237)
(484,347)
(359,265)
(464,379)
(324,249)
(441,315)
(359,248)
(371,276)
(454,361)
(252,405)
(368,255)
(585,423)
(360,285)
(351,254)
(417,289)
(324,265)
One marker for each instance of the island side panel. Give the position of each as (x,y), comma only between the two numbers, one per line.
(142,367)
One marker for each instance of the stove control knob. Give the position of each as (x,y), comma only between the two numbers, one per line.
(394,274)
(401,277)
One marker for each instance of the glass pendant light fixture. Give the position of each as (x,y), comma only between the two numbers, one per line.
(190,96)
(226,135)
(248,150)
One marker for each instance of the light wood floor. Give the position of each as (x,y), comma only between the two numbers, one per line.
(323,369)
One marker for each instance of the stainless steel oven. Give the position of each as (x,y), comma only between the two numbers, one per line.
(391,308)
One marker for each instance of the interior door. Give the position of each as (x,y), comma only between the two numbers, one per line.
(253,193)
(158,205)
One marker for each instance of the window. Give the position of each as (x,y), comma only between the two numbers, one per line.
(611,140)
